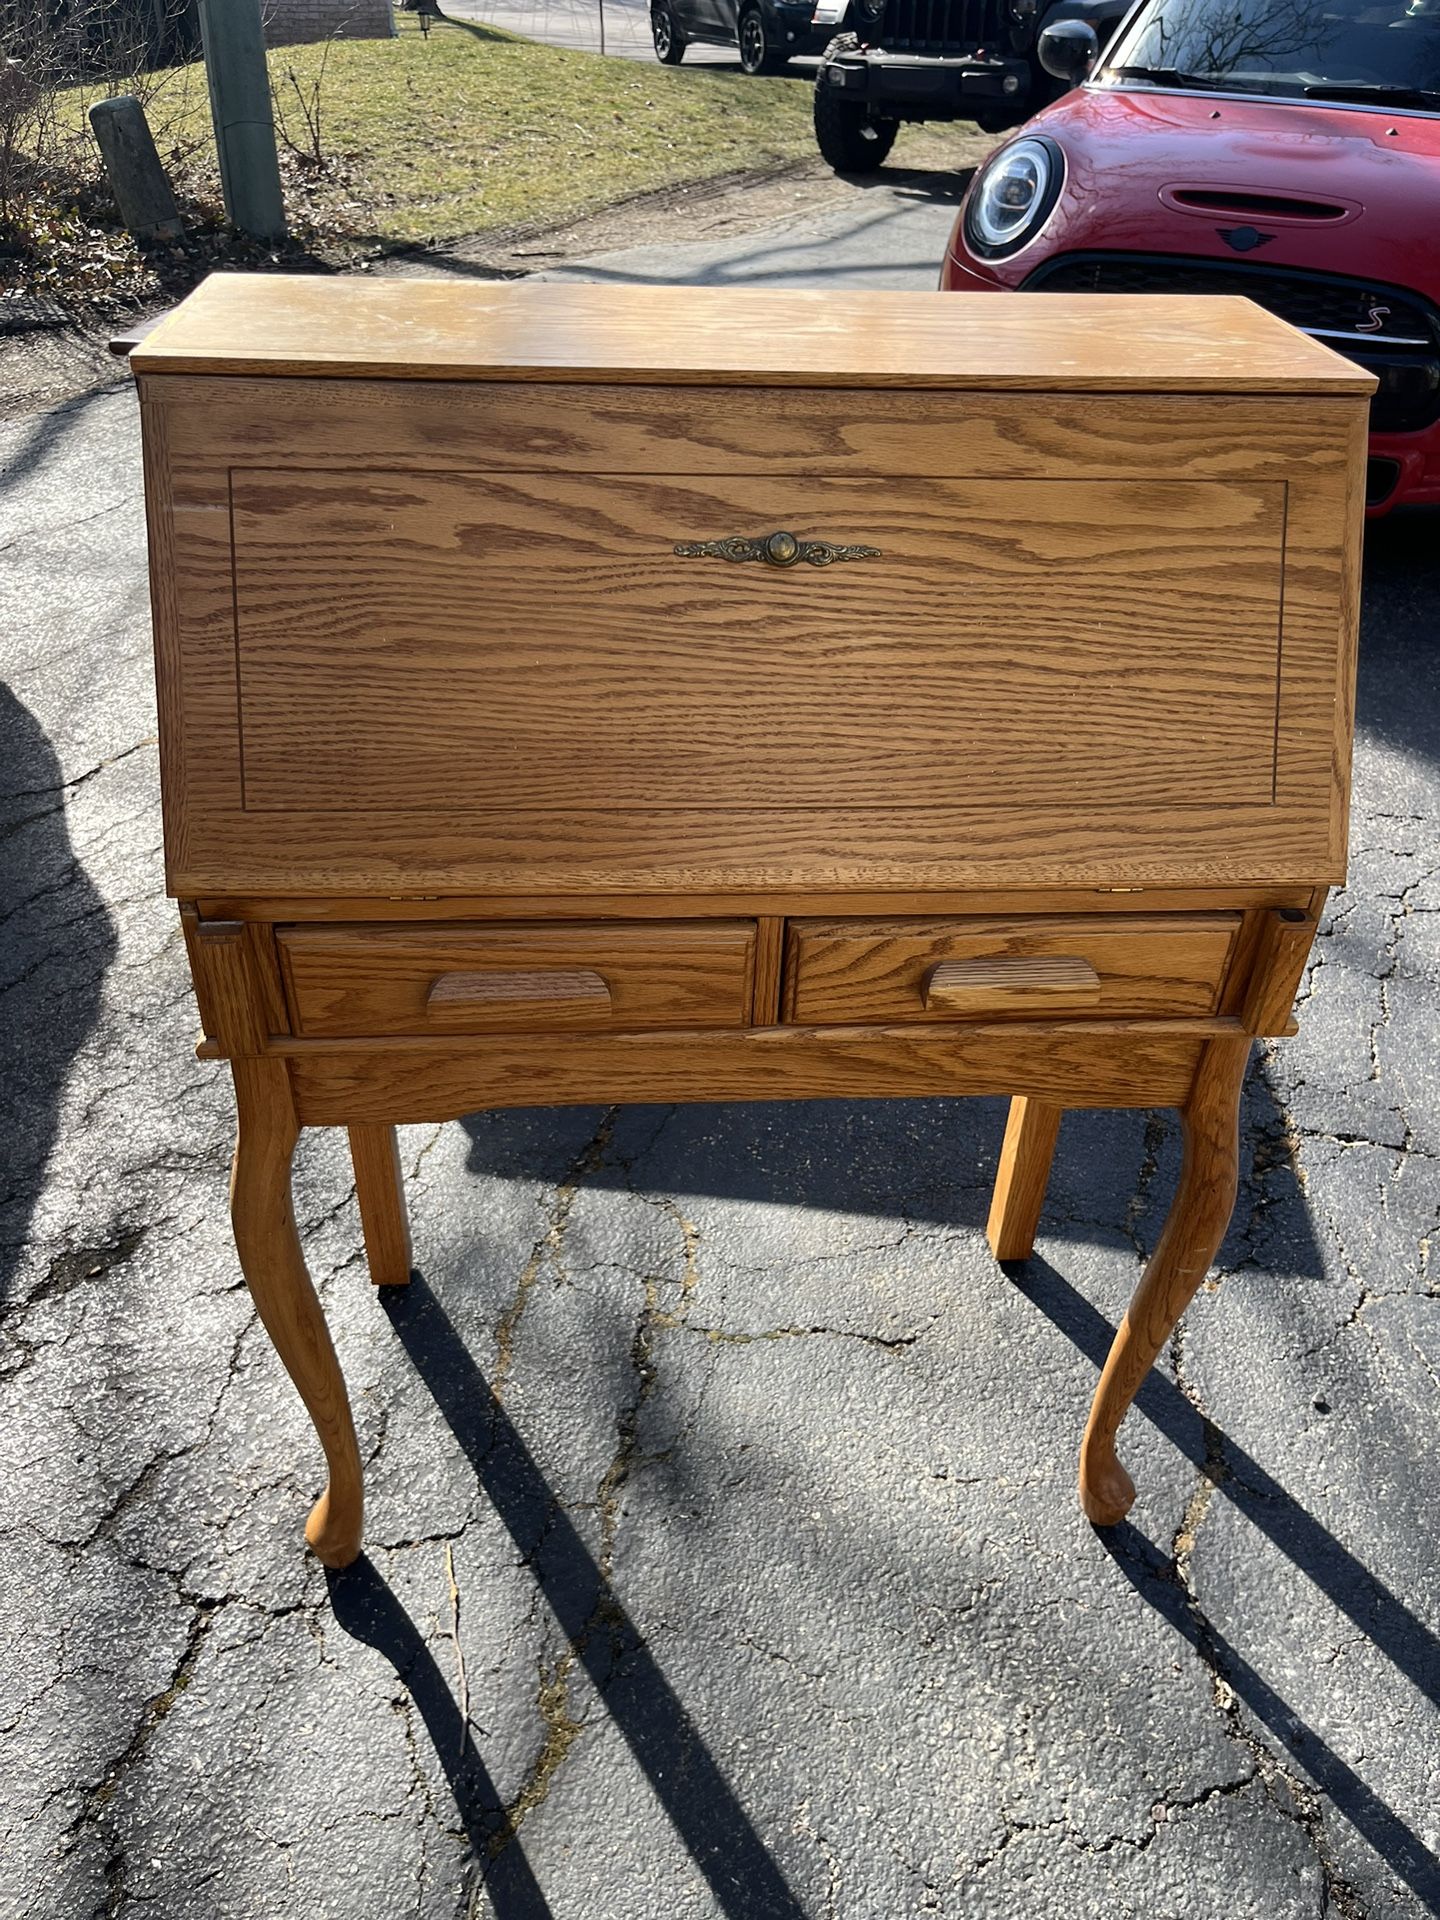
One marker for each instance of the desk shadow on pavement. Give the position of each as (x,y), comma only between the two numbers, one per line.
(933,1161)
(368,1611)
(744,1881)
(56,943)
(1379,1614)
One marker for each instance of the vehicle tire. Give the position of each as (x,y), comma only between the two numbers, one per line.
(670,42)
(1002,119)
(844,132)
(758,53)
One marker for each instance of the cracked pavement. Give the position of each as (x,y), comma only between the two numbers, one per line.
(724,1559)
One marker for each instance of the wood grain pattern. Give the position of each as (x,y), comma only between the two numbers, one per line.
(167,627)
(449,427)
(380,1193)
(435,1046)
(769,960)
(417,329)
(1185,838)
(1031,1130)
(375,980)
(1279,965)
(521,992)
(1194,1227)
(233,969)
(398,908)
(839,970)
(1242,955)
(1012,983)
(685,850)
(274,1267)
(396,1083)
(907,679)
(1347,494)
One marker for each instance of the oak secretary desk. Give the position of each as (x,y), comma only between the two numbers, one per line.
(589,694)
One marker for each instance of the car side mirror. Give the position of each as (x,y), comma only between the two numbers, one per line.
(1068,50)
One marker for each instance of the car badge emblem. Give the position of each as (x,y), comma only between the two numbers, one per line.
(1244,239)
(1375,322)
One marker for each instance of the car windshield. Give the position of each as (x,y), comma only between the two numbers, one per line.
(1381,52)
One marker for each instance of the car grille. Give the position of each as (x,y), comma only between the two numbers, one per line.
(939,26)
(1402,351)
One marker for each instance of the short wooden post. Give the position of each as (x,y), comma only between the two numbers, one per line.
(132,166)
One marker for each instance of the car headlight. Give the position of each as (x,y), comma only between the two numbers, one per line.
(1014,196)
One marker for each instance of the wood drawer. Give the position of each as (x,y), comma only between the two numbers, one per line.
(841,971)
(517,979)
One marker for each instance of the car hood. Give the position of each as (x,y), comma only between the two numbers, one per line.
(1135,159)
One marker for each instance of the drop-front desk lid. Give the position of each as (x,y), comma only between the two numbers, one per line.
(463,590)
(295,325)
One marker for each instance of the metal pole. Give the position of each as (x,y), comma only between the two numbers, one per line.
(233,36)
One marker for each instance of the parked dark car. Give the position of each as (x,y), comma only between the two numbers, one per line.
(1236,146)
(937,60)
(767,32)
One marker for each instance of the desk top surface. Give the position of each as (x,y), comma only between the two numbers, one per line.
(278,325)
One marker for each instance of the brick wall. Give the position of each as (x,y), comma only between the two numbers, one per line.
(288,21)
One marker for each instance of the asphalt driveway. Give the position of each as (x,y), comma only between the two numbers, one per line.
(724,1562)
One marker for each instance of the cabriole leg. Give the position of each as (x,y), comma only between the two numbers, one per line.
(1022,1177)
(380,1190)
(1194,1228)
(280,1285)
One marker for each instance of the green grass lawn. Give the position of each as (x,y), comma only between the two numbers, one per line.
(463,130)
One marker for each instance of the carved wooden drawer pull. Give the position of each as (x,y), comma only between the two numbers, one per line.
(579,987)
(1011,983)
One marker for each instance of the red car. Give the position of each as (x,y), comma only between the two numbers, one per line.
(1283,149)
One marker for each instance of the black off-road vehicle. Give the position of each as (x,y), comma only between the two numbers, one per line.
(767,32)
(938,60)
